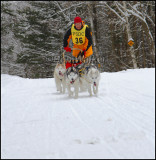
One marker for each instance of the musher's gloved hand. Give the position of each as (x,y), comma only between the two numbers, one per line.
(67,49)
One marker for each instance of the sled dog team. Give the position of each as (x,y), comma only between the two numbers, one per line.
(77,78)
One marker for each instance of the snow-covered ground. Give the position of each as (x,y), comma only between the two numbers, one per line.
(37,122)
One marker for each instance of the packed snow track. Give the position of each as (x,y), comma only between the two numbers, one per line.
(119,123)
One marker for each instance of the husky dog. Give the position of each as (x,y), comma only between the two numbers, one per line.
(72,80)
(59,75)
(91,79)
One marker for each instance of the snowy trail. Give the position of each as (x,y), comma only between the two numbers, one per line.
(38,122)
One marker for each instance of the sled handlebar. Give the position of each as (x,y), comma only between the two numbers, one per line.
(72,49)
(77,49)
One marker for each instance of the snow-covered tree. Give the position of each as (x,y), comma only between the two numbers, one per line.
(9,45)
(32,34)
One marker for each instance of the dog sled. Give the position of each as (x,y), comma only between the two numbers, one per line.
(80,62)
(71,63)
(74,63)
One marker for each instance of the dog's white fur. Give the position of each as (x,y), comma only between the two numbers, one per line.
(72,80)
(91,80)
(59,75)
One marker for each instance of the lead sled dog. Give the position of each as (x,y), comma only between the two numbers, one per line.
(72,80)
(90,79)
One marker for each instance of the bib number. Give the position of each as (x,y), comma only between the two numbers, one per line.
(79,40)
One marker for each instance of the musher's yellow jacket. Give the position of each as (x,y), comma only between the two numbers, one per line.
(81,39)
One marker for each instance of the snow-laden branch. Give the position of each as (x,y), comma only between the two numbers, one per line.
(143,19)
(61,10)
(122,12)
(137,15)
(103,13)
(142,14)
(68,8)
(136,11)
(150,20)
(115,12)
(10,64)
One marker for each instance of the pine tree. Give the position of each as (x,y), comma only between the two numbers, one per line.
(40,38)
(8,55)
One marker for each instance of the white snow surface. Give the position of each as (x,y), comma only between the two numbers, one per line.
(40,123)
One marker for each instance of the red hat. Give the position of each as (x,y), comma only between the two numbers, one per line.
(77,20)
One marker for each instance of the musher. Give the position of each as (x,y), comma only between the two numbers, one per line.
(81,37)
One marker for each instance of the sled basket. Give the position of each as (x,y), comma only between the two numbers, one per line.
(69,64)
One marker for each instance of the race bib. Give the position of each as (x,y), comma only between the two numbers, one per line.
(78,36)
